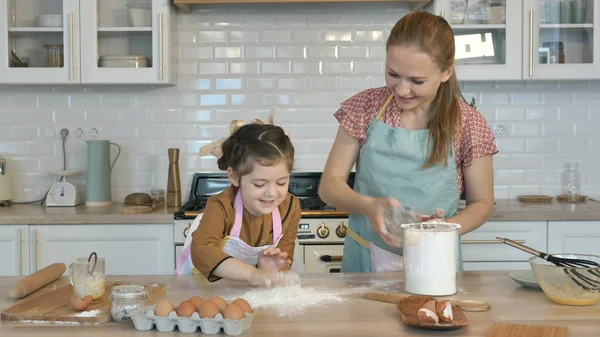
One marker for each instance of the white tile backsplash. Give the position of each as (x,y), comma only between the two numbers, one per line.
(236,62)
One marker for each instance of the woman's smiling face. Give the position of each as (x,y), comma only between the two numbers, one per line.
(413,77)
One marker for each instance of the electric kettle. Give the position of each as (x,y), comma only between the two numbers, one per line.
(5,184)
(99,169)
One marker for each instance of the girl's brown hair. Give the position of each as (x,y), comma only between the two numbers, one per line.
(432,35)
(263,143)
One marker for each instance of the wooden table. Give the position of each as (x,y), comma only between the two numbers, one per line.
(355,316)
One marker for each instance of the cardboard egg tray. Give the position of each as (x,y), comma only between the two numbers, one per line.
(208,326)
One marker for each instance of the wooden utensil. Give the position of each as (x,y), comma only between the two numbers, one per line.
(465,305)
(409,309)
(522,330)
(55,306)
(35,281)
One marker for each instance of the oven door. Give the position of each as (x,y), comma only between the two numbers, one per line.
(323,258)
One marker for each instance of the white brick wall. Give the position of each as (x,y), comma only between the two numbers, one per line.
(239,61)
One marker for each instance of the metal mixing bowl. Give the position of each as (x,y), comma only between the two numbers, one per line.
(559,283)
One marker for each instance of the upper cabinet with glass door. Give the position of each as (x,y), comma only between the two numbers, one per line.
(126,41)
(561,39)
(86,41)
(487,37)
(39,41)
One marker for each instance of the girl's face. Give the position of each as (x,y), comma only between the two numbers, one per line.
(264,189)
(413,77)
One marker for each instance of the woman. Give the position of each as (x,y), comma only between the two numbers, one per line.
(415,143)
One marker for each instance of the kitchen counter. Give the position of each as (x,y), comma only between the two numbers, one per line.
(351,315)
(35,215)
(505,210)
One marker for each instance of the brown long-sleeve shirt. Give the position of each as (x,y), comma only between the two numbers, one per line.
(218,219)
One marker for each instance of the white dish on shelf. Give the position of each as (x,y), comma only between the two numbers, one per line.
(49,20)
(140,15)
(123,61)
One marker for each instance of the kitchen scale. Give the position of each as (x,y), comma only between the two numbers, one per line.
(63,193)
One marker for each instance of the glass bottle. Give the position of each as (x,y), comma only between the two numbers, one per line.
(571,182)
(126,301)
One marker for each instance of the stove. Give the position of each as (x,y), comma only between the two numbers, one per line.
(321,230)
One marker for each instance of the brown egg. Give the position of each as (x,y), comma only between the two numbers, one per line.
(243,304)
(186,309)
(233,311)
(220,302)
(208,309)
(197,302)
(163,308)
(80,304)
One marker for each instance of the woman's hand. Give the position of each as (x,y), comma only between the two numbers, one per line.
(376,211)
(273,258)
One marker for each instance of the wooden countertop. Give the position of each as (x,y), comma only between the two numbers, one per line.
(505,210)
(354,316)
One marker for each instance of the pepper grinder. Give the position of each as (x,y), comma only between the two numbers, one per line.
(174,183)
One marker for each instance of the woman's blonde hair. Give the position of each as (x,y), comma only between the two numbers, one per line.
(433,35)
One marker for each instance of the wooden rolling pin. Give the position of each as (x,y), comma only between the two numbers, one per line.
(35,281)
(465,305)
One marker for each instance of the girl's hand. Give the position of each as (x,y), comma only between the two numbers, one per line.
(376,212)
(273,258)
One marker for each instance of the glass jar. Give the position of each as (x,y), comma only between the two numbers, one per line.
(126,301)
(158,195)
(571,182)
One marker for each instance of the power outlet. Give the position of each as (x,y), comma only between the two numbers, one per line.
(79,133)
(93,133)
(499,130)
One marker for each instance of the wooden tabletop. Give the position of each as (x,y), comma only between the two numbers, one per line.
(353,316)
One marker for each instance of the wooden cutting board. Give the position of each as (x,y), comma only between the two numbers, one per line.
(55,306)
(522,330)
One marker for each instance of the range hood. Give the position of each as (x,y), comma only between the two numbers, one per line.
(186,5)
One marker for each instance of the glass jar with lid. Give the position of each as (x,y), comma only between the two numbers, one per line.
(571,182)
(158,195)
(126,301)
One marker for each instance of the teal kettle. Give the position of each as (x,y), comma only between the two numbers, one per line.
(99,169)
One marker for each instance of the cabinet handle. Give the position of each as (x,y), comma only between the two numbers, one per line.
(72,32)
(186,230)
(478,242)
(160,46)
(531,17)
(443,13)
(330,258)
(35,249)
(20,247)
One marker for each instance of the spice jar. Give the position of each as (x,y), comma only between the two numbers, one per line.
(126,301)
(158,195)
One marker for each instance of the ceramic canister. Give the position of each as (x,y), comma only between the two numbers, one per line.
(99,169)
(430,258)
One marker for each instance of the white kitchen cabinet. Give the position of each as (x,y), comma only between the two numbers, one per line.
(482,251)
(14,250)
(140,249)
(560,40)
(580,237)
(524,40)
(70,50)
(488,39)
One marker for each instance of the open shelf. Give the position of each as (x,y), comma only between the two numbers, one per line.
(123,29)
(186,5)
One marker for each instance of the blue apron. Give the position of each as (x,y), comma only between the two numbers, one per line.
(390,164)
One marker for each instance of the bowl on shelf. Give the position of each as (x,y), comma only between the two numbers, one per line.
(140,15)
(49,20)
(123,61)
(560,284)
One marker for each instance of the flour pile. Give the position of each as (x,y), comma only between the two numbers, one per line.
(290,300)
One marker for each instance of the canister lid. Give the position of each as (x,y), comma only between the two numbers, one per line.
(128,292)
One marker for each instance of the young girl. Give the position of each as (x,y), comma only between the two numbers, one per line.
(250,228)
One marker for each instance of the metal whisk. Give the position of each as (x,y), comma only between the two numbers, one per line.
(588,283)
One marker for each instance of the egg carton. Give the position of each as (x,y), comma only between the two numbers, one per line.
(208,326)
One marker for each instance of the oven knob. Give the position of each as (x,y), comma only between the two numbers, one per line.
(323,231)
(341,230)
